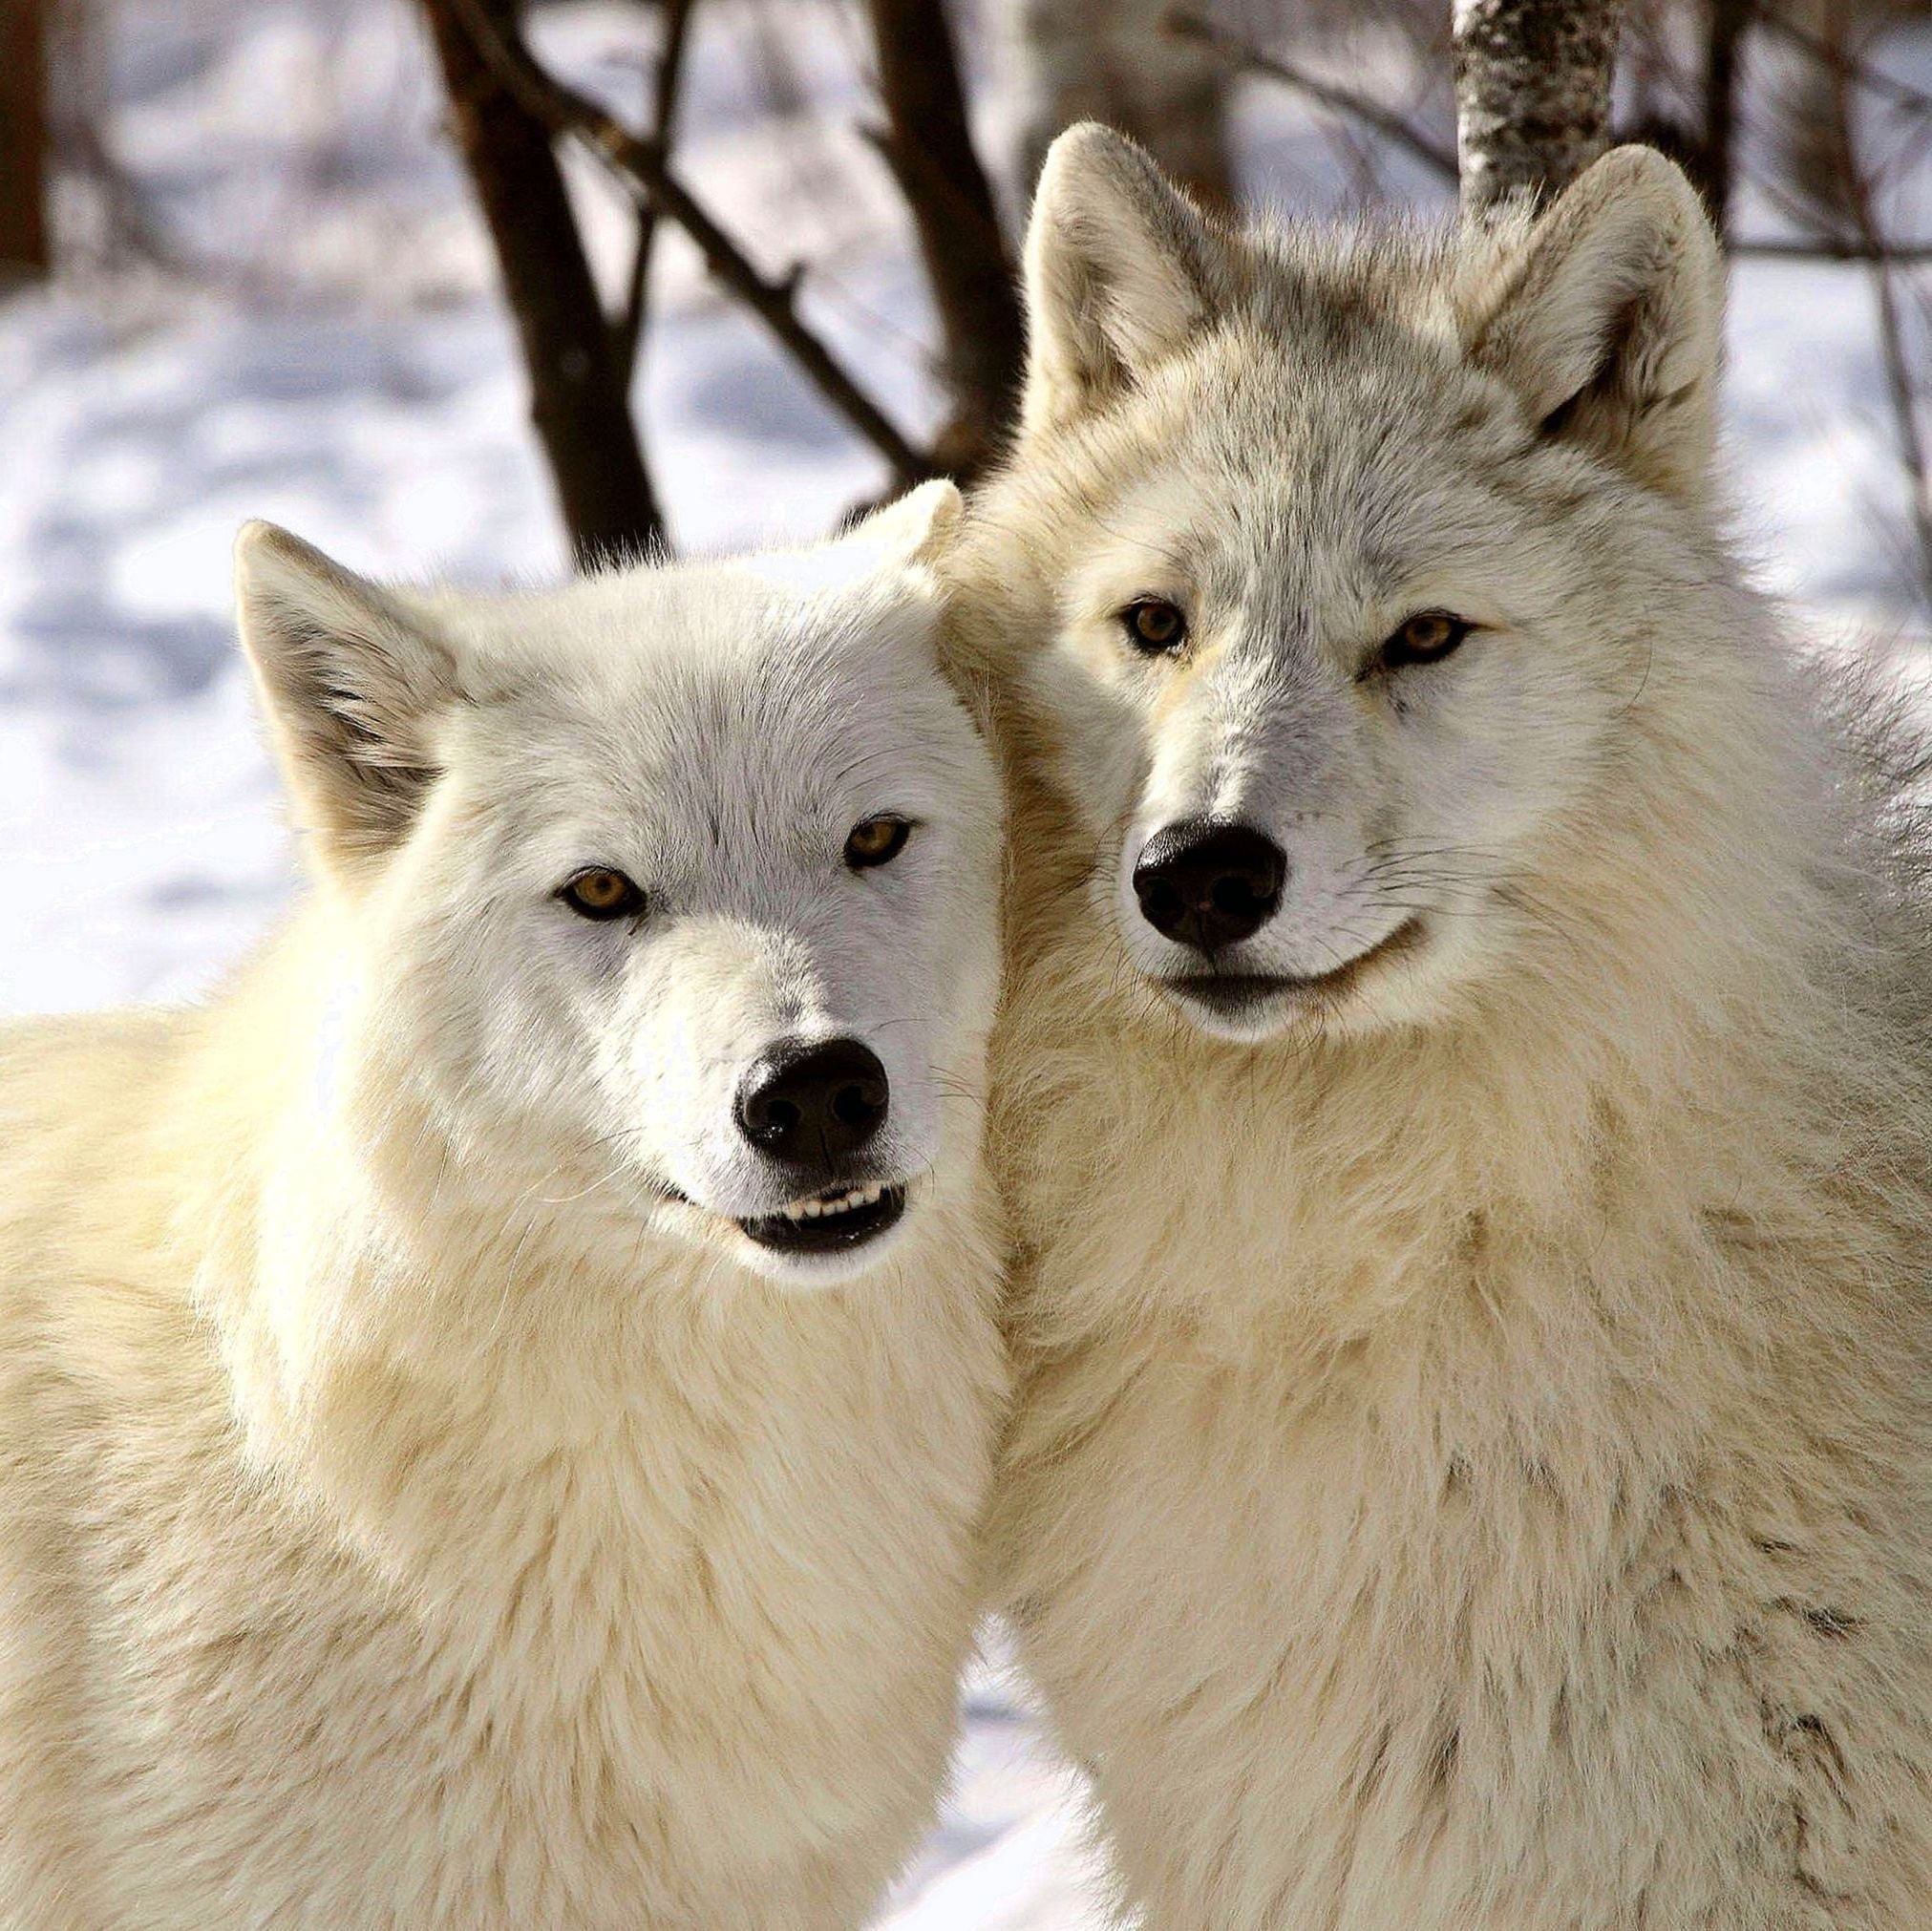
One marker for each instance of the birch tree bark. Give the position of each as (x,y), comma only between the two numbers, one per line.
(1532,93)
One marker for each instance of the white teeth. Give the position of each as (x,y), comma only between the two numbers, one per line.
(836,1204)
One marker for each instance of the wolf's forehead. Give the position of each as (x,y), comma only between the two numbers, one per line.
(1370,466)
(1325,527)
(673,714)
(740,746)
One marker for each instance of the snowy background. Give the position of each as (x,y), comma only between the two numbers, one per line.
(307,330)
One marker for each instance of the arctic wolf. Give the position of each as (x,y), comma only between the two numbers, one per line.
(495,1410)
(1465,1098)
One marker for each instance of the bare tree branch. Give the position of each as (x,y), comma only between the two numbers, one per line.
(1905,403)
(1250,59)
(640,163)
(1824,248)
(928,145)
(628,328)
(577,397)
(1532,93)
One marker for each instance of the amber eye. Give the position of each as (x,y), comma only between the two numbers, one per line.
(1153,624)
(1427,637)
(597,892)
(876,842)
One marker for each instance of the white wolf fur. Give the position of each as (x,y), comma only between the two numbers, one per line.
(414,1513)
(1472,1458)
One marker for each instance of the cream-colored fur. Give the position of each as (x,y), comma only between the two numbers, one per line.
(1471,1460)
(414,1513)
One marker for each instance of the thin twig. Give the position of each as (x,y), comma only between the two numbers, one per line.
(1823,249)
(640,163)
(1904,401)
(1249,58)
(1898,386)
(628,331)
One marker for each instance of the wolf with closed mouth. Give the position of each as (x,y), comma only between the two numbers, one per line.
(495,1409)
(1466,1097)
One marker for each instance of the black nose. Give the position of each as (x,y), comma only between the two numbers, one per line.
(1209,883)
(813,1102)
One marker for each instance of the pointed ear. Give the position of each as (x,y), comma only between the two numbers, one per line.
(1608,319)
(1121,269)
(352,685)
(917,528)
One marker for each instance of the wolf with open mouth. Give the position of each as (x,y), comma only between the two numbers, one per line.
(495,1409)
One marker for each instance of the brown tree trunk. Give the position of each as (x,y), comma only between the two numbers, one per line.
(928,145)
(1532,93)
(26,248)
(1725,21)
(577,401)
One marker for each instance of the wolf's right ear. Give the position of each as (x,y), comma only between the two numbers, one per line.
(1119,272)
(1607,318)
(352,685)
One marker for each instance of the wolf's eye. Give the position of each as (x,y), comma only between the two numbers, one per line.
(597,892)
(1425,638)
(876,842)
(1153,623)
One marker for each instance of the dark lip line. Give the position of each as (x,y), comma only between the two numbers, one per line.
(1263,984)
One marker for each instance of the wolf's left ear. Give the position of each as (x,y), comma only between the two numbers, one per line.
(352,685)
(916,528)
(1120,270)
(1608,319)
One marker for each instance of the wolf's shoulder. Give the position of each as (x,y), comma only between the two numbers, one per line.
(59,1070)
(77,1097)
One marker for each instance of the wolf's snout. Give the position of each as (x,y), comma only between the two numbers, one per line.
(1208,884)
(814,1102)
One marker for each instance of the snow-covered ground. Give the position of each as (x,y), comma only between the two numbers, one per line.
(325,349)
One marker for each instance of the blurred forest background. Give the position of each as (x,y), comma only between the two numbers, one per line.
(850,174)
(465,287)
